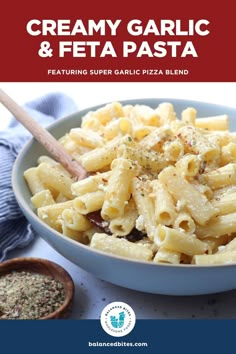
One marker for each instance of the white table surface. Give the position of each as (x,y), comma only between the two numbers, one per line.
(93,294)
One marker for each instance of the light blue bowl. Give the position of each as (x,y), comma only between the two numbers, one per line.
(142,276)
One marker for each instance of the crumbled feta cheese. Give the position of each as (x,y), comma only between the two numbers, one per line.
(140,223)
(102,187)
(221,248)
(180,205)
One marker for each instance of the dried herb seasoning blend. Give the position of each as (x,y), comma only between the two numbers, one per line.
(28,295)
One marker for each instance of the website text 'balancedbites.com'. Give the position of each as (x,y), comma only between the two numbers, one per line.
(117,344)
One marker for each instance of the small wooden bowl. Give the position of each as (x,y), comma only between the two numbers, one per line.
(46,267)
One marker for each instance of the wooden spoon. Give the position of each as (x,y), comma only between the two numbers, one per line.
(43,137)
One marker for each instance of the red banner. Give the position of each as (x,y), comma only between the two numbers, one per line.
(102,41)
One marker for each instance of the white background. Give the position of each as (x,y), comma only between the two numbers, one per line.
(89,94)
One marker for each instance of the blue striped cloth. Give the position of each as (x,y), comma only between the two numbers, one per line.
(15,231)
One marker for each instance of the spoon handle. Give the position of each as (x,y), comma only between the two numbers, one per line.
(43,137)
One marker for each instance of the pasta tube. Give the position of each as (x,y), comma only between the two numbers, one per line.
(196,203)
(118,189)
(121,247)
(165,212)
(197,143)
(179,241)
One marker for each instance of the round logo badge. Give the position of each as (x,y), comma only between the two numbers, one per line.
(118,319)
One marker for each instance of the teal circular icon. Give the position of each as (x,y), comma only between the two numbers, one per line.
(118,319)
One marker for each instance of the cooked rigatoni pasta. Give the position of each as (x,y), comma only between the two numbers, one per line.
(188,116)
(219,226)
(199,207)
(185,222)
(197,143)
(118,190)
(89,202)
(215,243)
(72,147)
(221,177)
(105,114)
(177,240)
(189,165)
(166,112)
(140,131)
(120,126)
(164,207)
(228,153)
(103,156)
(142,114)
(74,220)
(149,160)
(214,259)
(173,150)
(42,198)
(90,184)
(145,206)
(87,138)
(156,138)
(33,180)
(225,203)
(228,246)
(120,247)
(51,214)
(56,177)
(124,224)
(73,234)
(160,187)
(165,255)
(202,188)
(46,159)
(100,157)
(220,122)
(91,123)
